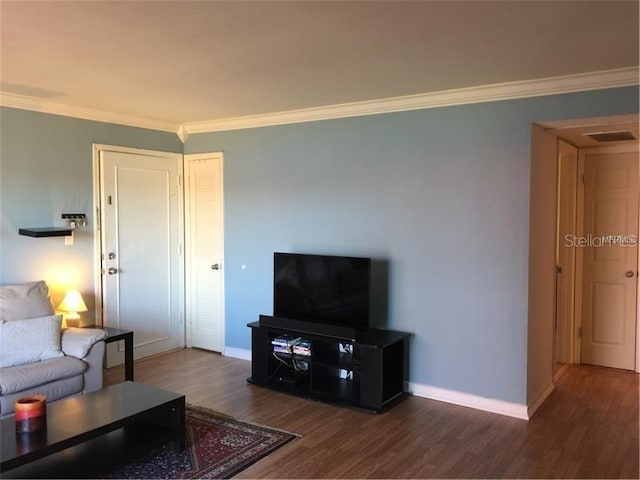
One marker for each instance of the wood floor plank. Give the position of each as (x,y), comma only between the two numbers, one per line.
(587,428)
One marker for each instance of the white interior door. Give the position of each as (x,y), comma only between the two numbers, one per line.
(141,220)
(610,259)
(204,253)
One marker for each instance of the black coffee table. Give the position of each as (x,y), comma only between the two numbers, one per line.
(141,414)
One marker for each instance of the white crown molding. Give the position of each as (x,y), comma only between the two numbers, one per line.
(492,405)
(24,102)
(182,133)
(622,77)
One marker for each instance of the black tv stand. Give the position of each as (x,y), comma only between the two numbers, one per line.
(363,368)
(306,327)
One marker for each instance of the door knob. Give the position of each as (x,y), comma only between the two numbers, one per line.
(630,273)
(215,266)
(112,271)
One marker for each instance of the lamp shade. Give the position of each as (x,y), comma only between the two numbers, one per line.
(72,303)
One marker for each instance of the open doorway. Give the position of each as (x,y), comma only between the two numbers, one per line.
(596,275)
(553,337)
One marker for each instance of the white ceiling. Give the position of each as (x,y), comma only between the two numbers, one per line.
(190,61)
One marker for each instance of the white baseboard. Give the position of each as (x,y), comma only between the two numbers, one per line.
(233,352)
(560,372)
(441,394)
(492,405)
(540,399)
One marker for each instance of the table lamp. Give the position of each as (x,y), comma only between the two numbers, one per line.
(71,304)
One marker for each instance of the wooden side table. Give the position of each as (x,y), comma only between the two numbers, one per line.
(117,334)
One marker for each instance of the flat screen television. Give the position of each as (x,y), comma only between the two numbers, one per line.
(322,288)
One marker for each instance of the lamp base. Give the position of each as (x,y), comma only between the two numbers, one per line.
(72,322)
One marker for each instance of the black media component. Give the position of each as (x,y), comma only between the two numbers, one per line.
(323,289)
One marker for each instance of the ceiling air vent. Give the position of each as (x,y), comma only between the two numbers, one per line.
(612,136)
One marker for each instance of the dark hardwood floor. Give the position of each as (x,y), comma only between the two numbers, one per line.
(587,428)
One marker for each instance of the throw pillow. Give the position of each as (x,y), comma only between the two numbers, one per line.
(29,340)
(26,300)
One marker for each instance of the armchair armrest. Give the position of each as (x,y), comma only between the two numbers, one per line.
(77,342)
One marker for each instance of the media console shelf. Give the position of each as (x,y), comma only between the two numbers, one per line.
(368,371)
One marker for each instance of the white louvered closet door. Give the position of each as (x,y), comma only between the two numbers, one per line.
(204,255)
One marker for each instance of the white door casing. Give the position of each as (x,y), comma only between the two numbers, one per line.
(141,269)
(204,251)
(565,254)
(609,264)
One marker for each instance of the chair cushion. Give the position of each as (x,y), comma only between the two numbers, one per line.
(22,377)
(26,300)
(29,340)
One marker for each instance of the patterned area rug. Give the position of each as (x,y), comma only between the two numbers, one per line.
(217,447)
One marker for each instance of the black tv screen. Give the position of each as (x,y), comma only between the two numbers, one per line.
(322,288)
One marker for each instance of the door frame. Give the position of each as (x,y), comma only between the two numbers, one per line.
(565,329)
(542,222)
(98,239)
(577,320)
(187,240)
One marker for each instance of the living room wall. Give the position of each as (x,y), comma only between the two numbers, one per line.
(438,197)
(46,168)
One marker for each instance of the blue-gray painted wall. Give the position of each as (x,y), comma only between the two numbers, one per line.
(46,168)
(438,197)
